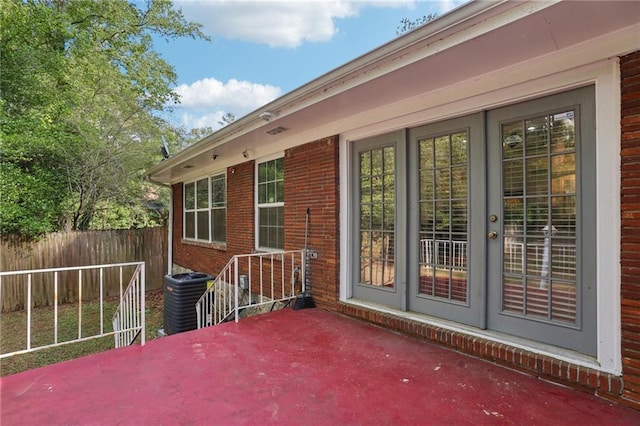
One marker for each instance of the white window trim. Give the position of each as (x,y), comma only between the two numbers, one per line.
(605,76)
(257,206)
(195,210)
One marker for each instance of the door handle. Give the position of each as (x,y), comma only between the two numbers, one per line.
(492,235)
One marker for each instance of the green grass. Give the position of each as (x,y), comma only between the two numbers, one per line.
(13,332)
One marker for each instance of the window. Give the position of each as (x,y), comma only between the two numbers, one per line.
(205,209)
(270,204)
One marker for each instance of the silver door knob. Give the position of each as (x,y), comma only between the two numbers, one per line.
(492,235)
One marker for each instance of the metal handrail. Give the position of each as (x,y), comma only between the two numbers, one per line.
(251,281)
(129,318)
(135,291)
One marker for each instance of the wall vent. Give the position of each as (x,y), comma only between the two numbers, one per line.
(276,130)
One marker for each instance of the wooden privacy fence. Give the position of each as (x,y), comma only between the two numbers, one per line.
(147,245)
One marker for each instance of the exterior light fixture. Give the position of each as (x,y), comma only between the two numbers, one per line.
(267,116)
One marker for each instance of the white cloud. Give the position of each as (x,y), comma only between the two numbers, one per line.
(199,99)
(445,6)
(189,120)
(277,23)
(240,97)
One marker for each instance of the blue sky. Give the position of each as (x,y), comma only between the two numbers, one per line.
(261,50)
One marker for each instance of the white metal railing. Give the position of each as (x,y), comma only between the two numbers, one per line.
(454,254)
(129,319)
(539,258)
(252,281)
(444,252)
(131,309)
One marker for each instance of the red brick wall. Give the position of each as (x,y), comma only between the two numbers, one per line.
(240,209)
(630,217)
(311,182)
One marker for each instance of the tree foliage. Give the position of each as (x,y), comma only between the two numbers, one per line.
(227,119)
(80,85)
(407,25)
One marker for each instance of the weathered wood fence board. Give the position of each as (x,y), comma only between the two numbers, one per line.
(80,249)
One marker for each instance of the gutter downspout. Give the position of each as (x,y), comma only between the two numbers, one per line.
(170,234)
(169,227)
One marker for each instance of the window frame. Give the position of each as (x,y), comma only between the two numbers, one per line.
(210,207)
(258,205)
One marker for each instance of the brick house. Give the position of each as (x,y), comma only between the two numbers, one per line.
(475,182)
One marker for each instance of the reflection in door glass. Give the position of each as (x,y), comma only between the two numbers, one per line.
(377,217)
(539,227)
(443,216)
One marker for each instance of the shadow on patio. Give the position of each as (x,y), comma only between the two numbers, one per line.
(292,367)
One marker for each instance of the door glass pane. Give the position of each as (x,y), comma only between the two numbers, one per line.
(563,302)
(563,137)
(539,226)
(443,217)
(513,296)
(377,217)
(536,136)
(512,178)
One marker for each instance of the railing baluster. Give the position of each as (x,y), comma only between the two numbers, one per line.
(80,304)
(141,294)
(55,307)
(235,284)
(250,280)
(282,273)
(293,272)
(271,268)
(101,301)
(29,312)
(261,258)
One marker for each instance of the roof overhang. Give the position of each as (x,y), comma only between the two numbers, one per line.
(475,39)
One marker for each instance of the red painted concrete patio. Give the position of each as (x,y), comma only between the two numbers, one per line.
(306,367)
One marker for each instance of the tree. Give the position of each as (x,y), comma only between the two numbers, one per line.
(36,144)
(407,25)
(80,84)
(227,119)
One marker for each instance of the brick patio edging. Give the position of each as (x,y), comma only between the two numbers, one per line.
(585,379)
